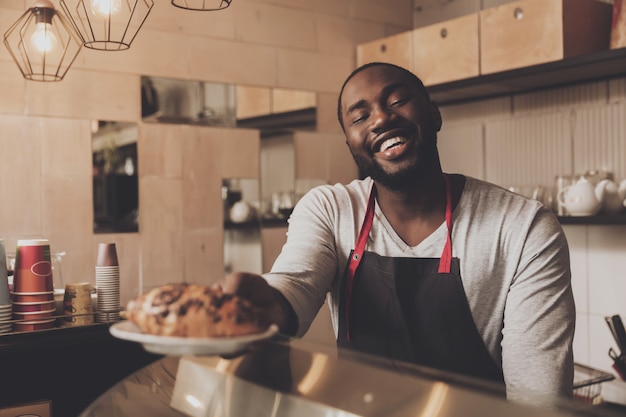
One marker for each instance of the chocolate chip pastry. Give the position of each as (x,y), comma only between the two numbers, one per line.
(193,310)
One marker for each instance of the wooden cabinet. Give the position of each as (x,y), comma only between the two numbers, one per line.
(446,51)
(530,32)
(395,49)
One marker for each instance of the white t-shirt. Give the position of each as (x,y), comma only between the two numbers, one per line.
(515,270)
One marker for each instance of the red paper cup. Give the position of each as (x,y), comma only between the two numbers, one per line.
(28,326)
(26,297)
(33,269)
(34,306)
(33,315)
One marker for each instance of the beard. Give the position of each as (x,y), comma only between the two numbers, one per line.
(402,178)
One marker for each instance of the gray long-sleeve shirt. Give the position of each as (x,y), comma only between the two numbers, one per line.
(515,270)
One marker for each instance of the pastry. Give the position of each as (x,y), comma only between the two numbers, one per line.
(194,310)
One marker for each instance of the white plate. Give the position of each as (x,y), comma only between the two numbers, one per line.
(177,346)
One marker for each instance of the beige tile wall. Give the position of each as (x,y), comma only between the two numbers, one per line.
(45,151)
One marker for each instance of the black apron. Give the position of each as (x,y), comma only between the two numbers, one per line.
(411,309)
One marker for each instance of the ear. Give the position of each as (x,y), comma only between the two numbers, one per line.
(436,115)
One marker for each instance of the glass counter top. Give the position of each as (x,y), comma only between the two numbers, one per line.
(298,378)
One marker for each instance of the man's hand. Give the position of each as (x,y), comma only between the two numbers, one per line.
(254,288)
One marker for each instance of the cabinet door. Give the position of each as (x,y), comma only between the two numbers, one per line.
(394,49)
(446,51)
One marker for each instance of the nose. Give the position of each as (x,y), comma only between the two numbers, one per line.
(380,116)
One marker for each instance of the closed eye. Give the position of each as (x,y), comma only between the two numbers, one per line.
(399,102)
(358,118)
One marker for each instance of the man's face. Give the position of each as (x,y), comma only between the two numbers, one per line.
(390,125)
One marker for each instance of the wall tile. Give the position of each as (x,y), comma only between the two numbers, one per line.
(204,256)
(327,113)
(581,339)
(607,263)
(88,95)
(67,229)
(21,179)
(13,87)
(145,56)
(161,214)
(600,139)
(312,71)
(272,241)
(497,108)
(332,7)
(202,181)
(267,24)
(528,150)
(66,144)
(311,155)
(166,17)
(240,153)
(461,149)
(160,150)
(341,165)
(582,95)
(397,12)
(231,62)
(337,35)
(577,240)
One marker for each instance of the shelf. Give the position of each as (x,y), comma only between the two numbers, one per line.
(256,224)
(601,219)
(585,68)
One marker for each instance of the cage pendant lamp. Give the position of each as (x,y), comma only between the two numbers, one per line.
(108,25)
(42,43)
(205,5)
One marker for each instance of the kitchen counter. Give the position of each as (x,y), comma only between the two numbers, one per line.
(298,378)
(66,368)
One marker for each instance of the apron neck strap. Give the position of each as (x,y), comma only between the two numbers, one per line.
(446,256)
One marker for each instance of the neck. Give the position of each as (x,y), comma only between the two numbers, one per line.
(417,212)
(424,198)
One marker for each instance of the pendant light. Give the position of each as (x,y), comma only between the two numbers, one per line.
(108,25)
(43,43)
(205,5)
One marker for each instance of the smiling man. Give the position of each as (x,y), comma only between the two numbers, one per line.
(437,269)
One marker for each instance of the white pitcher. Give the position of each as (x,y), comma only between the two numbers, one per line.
(611,195)
(579,199)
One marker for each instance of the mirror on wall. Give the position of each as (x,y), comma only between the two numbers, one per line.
(269,109)
(115,178)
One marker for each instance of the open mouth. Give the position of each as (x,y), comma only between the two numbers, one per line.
(391,143)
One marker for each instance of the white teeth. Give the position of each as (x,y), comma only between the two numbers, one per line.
(390,142)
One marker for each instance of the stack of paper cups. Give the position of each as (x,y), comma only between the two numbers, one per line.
(107,284)
(6,308)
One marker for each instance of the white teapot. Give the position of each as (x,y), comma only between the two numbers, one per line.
(579,199)
(611,195)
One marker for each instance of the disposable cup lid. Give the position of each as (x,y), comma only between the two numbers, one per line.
(33,242)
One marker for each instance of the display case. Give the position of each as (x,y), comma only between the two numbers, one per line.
(293,377)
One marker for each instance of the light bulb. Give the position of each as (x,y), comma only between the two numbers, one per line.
(43,39)
(104,9)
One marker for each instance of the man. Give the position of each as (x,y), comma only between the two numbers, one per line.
(437,269)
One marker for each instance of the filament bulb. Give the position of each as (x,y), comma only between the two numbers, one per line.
(43,39)
(105,9)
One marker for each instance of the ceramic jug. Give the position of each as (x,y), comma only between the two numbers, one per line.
(611,195)
(579,199)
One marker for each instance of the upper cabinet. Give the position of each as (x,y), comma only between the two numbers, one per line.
(519,46)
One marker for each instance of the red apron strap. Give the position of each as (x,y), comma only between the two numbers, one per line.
(446,256)
(357,254)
